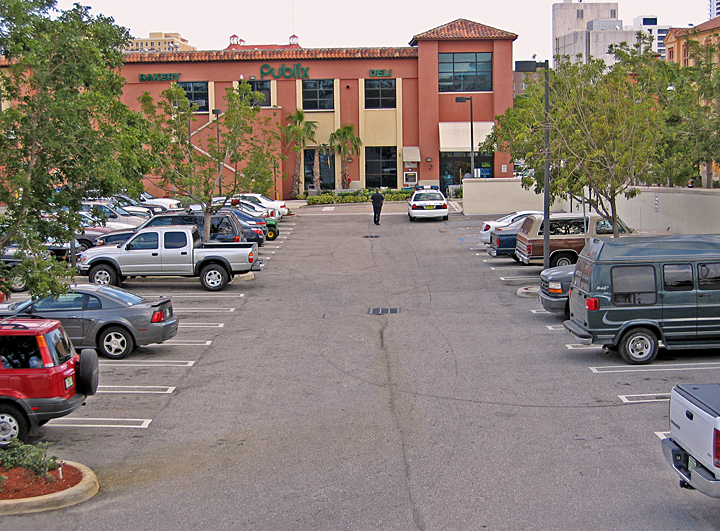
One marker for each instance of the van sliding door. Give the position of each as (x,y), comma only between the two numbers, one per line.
(679,302)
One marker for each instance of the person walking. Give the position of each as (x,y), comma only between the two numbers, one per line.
(377,201)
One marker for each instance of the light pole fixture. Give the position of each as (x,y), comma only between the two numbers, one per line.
(463,99)
(532,66)
(217,113)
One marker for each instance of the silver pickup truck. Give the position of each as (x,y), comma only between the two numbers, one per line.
(693,447)
(170,251)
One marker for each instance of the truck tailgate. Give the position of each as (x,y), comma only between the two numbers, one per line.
(694,415)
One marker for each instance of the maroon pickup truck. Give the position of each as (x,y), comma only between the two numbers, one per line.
(567,237)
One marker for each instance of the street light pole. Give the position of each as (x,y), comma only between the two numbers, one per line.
(532,66)
(463,99)
(217,113)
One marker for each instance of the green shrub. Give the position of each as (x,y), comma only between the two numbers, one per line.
(34,459)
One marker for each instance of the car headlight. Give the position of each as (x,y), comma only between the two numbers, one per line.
(555,287)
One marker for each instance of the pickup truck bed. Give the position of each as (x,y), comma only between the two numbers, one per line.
(693,448)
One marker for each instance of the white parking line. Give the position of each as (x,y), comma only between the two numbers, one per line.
(146,363)
(641,399)
(196,295)
(185,342)
(99,423)
(199,310)
(580,347)
(663,434)
(539,311)
(555,328)
(656,367)
(183,324)
(328,209)
(136,389)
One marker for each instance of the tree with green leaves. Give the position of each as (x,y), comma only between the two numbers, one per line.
(64,131)
(344,142)
(299,132)
(603,127)
(249,147)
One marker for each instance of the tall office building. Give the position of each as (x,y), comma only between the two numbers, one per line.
(713,9)
(160,42)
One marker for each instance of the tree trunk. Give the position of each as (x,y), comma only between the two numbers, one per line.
(295,188)
(207,212)
(707,175)
(344,181)
(316,169)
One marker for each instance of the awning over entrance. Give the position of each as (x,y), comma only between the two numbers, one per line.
(455,136)
(411,154)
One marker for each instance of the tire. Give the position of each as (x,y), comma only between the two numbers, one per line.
(17,284)
(411,218)
(515,257)
(638,346)
(115,343)
(13,424)
(445,218)
(88,373)
(272,233)
(103,274)
(562,259)
(213,277)
(82,245)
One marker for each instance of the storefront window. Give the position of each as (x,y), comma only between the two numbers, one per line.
(465,72)
(318,94)
(379,93)
(327,169)
(263,87)
(381,167)
(197,93)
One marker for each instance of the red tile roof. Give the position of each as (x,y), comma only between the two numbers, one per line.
(462,29)
(269,55)
(713,23)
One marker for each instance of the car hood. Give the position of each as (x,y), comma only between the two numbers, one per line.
(558,273)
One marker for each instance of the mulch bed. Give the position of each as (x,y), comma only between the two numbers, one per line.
(22,484)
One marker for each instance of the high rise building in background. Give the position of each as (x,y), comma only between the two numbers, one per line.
(713,8)
(160,42)
(587,29)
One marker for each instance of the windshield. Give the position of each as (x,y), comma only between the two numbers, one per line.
(121,295)
(506,218)
(120,210)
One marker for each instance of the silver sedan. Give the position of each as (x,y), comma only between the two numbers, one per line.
(112,320)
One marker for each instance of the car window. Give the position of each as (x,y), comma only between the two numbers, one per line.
(603,227)
(147,240)
(117,238)
(20,352)
(121,295)
(158,221)
(709,276)
(428,196)
(175,240)
(221,226)
(67,301)
(59,345)
(92,303)
(633,285)
(678,277)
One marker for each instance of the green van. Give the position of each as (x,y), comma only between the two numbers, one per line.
(637,294)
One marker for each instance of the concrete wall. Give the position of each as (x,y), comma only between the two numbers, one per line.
(682,210)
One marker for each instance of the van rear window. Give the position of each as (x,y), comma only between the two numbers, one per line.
(583,273)
(633,285)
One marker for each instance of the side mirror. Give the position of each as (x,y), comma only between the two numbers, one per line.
(128,247)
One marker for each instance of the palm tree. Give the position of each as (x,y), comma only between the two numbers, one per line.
(345,143)
(300,132)
(319,150)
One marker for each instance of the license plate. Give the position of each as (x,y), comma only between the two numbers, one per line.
(430,207)
(692,464)
(68,382)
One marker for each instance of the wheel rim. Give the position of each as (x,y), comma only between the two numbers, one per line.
(564,262)
(640,347)
(115,344)
(213,278)
(9,427)
(17,283)
(101,277)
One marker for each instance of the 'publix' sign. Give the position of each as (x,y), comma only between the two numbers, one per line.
(160,77)
(296,71)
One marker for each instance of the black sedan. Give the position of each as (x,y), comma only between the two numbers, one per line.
(111,320)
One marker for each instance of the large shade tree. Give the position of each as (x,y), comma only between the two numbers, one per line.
(63,129)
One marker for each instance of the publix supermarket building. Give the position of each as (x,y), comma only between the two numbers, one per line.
(403,101)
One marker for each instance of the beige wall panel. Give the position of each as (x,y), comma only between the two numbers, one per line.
(326,124)
(381,128)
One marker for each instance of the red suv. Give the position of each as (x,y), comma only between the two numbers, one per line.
(41,375)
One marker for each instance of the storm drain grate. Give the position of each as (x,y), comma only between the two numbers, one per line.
(383,311)
(372,236)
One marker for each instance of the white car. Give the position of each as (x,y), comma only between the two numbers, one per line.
(427,202)
(260,199)
(148,199)
(111,213)
(513,218)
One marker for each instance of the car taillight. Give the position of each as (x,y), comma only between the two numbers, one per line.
(716,447)
(158,316)
(237,239)
(529,249)
(592,303)
(257,231)
(444,205)
(414,207)
(497,241)
(45,352)
(250,258)
(487,227)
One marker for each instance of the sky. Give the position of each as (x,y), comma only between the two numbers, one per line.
(208,25)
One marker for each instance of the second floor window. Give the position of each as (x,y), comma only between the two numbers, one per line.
(465,72)
(197,93)
(318,94)
(379,93)
(263,87)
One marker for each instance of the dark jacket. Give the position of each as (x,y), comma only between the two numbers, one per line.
(377,199)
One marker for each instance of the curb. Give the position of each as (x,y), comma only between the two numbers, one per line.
(83,491)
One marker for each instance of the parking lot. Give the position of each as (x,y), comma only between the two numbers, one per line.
(377,378)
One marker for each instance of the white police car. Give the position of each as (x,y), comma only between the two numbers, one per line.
(427,202)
